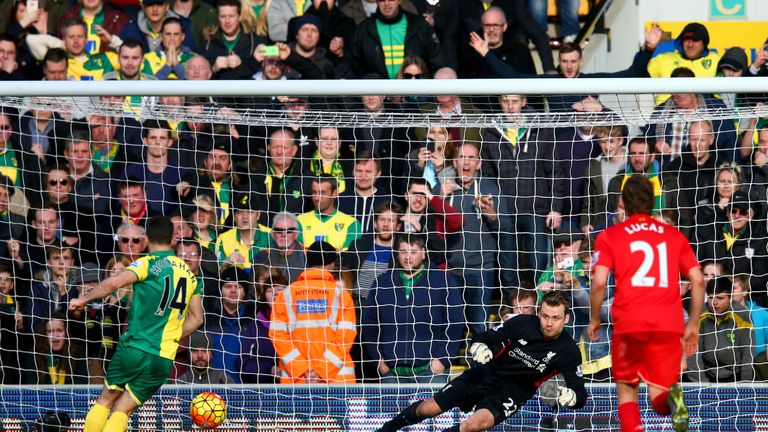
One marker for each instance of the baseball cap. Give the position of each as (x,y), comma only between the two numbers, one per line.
(695,31)
(248,201)
(733,58)
(741,201)
(151,2)
(235,274)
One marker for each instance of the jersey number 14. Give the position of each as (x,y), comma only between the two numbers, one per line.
(176,301)
(641,278)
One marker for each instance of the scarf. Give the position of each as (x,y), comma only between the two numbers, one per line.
(653,176)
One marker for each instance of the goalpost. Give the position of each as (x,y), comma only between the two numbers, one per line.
(244,114)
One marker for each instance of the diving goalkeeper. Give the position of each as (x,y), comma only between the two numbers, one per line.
(513,361)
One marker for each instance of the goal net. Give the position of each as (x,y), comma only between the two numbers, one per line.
(446,214)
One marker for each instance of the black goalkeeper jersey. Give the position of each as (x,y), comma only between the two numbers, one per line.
(521,357)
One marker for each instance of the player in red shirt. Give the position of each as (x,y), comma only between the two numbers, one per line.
(646,257)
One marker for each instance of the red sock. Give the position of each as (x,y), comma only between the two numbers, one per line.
(661,405)
(629,416)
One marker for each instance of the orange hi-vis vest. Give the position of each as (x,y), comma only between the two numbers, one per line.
(313,327)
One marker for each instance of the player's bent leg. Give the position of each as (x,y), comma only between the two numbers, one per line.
(121,412)
(629,410)
(415,413)
(99,412)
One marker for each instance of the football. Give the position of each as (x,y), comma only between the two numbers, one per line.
(208,410)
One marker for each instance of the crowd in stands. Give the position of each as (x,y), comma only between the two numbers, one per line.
(338,255)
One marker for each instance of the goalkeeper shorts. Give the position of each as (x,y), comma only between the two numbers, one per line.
(139,373)
(654,357)
(470,390)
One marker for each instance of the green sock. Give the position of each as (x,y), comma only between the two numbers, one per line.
(96,418)
(118,422)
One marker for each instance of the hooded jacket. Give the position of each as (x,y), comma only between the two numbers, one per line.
(725,349)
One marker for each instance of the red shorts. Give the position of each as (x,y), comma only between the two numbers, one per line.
(654,357)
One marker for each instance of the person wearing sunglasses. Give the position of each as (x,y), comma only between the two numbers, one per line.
(131,241)
(285,252)
(739,242)
(413,68)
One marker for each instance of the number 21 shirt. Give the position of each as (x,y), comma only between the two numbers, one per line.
(647,257)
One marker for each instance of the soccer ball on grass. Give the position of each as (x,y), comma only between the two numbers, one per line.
(208,410)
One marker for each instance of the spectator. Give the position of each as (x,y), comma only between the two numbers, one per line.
(371,255)
(758,316)
(131,241)
(280,13)
(570,58)
(512,52)
(725,342)
(202,18)
(16,160)
(78,226)
(9,67)
(51,291)
(325,223)
(109,153)
(230,49)
(309,28)
(92,185)
(13,334)
(40,126)
(24,23)
(258,360)
(521,160)
(133,209)
(254,16)
(282,177)
(336,28)
(412,320)
(432,159)
(359,10)
(327,158)
(102,23)
(671,133)
(201,355)
(566,272)
(84,66)
(373,47)
(739,243)
(691,51)
(198,68)
(55,65)
(522,301)
(569,17)
(285,252)
(216,179)
(574,147)
(413,67)
(601,170)
(727,182)
(733,64)
(451,107)
(433,216)
(160,168)
(309,351)
(231,316)
(133,67)
(30,254)
(754,149)
(485,216)
(239,246)
(203,265)
(147,27)
(368,192)
(59,358)
(12,225)
(168,60)
(202,220)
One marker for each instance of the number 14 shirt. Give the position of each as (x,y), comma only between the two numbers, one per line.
(647,257)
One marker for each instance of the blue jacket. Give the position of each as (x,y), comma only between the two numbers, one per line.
(225,332)
(759,317)
(411,331)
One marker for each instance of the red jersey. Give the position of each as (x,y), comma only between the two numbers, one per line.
(646,257)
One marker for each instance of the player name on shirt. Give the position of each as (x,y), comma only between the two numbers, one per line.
(644,226)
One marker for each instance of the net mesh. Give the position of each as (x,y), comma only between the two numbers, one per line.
(83,173)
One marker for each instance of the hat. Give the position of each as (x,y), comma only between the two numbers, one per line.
(321,254)
(741,201)
(151,2)
(695,31)
(733,58)
(309,19)
(87,273)
(566,235)
(223,143)
(248,201)
(199,340)
(236,274)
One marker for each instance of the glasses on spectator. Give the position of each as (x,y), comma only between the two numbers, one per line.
(493,26)
(739,212)
(126,240)
(407,75)
(54,182)
(289,230)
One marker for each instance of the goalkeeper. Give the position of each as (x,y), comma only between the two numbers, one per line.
(513,361)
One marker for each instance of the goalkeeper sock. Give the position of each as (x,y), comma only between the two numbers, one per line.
(629,417)
(660,404)
(406,418)
(96,418)
(118,422)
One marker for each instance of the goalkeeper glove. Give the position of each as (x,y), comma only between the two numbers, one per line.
(565,396)
(480,352)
